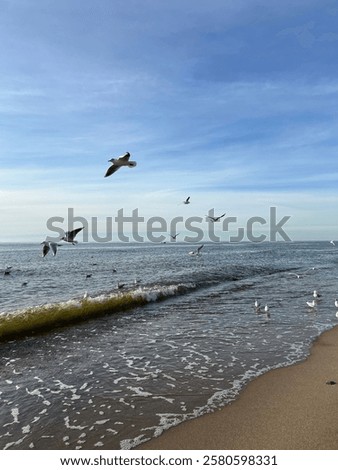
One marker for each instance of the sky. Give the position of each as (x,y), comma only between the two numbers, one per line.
(230,102)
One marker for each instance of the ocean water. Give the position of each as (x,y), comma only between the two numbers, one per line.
(190,340)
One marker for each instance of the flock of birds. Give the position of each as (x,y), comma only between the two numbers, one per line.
(117,163)
(310,303)
(316,298)
(69,236)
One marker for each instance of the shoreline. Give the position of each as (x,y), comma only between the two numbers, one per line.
(289,408)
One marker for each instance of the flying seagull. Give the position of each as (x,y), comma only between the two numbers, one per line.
(69,236)
(123,160)
(47,246)
(196,252)
(174,236)
(332,243)
(215,219)
(187,201)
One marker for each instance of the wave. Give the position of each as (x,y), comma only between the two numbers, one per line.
(42,318)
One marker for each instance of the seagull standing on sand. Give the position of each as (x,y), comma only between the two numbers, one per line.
(69,236)
(196,252)
(123,160)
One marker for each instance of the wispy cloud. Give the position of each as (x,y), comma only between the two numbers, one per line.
(231,103)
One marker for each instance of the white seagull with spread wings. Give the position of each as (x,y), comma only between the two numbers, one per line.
(118,162)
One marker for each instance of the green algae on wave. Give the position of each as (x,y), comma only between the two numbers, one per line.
(44,318)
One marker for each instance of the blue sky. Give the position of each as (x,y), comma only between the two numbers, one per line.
(231,102)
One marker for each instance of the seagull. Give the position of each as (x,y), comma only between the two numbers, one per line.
(88,276)
(7,271)
(187,201)
(266,308)
(120,286)
(196,252)
(312,304)
(174,236)
(24,284)
(47,246)
(332,243)
(316,295)
(215,219)
(336,303)
(69,236)
(257,306)
(123,160)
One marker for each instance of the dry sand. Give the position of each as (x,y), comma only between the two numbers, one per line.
(287,408)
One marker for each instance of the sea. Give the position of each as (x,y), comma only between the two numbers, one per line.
(178,335)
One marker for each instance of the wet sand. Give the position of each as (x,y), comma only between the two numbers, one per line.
(288,408)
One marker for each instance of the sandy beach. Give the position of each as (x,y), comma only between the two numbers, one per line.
(285,409)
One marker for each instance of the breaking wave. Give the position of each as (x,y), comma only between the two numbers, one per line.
(45,317)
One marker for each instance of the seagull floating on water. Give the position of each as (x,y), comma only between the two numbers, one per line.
(336,303)
(312,304)
(69,236)
(7,271)
(196,252)
(215,219)
(257,306)
(316,295)
(123,160)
